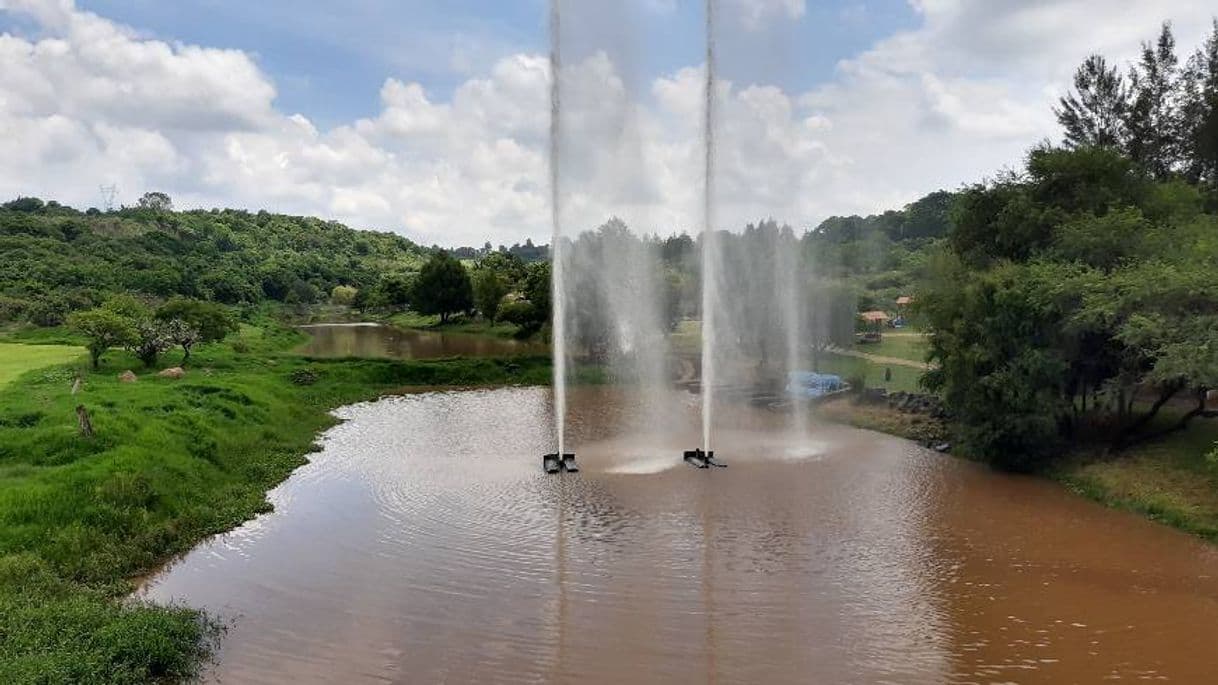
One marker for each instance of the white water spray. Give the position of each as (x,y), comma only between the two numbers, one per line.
(558,296)
(710,249)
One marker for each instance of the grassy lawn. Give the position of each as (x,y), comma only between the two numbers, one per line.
(1169,480)
(904,378)
(16,360)
(171,463)
(912,347)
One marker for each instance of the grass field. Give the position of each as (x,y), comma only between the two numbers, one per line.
(904,346)
(171,462)
(904,378)
(16,360)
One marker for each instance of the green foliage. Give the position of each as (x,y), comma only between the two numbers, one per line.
(55,260)
(488,290)
(212,321)
(103,329)
(1063,295)
(443,287)
(171,463)
(343,295)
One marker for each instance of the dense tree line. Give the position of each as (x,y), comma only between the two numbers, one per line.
(1078,299)
(55,259)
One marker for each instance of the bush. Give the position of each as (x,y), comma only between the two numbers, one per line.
(304,377)
(521,313)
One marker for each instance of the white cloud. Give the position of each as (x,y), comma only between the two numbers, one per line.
(754,14)
(966,93)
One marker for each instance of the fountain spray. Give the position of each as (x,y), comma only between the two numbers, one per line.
(711,262)
(558,300)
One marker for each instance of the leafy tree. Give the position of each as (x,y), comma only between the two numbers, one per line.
(156,201)
(1094,114)
(343,295)
(507,266)
(194,321)
(489,290)
(152,337)
(25,204)
(443,287)
(104,328)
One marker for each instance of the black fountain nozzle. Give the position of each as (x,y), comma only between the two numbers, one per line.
(703,460)
(553,463)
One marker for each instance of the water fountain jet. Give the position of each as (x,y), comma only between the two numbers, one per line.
(561,460)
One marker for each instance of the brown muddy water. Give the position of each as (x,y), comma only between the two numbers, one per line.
(377,341)
(424,545)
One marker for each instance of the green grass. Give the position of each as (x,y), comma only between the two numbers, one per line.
(904,378)
(911,347)
(171,463)
(16,360)
(1173,480)
(458,324)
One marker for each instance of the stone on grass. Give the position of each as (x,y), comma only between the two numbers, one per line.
(127,376)
(175,373)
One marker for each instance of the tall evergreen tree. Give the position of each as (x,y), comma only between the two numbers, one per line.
(1198,131)
(1152,120)
(1094,114)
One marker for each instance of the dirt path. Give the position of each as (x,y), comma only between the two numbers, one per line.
(878,359)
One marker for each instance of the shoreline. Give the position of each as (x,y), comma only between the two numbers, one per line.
(1159,481)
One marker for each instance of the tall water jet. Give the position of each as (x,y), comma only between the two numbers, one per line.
(710,249)
(556,462)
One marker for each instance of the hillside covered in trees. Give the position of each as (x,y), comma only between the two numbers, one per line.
(55,259)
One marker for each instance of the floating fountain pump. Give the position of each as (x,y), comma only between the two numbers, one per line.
(703,460)
(553,463)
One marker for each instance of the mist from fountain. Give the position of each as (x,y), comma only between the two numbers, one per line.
(618,296)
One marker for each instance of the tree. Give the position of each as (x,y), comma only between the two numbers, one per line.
(150,340)
(343,295)
(1094,114)
(104,328)
(156,201)
(443,287)
(190,322)
(24,204)
(1199,112)
(489,290)
(1152,119)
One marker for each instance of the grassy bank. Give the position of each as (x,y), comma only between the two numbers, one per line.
(171,462)
(1173,480)
(458,324)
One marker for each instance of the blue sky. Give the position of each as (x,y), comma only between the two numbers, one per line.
(329,59)
(431,118)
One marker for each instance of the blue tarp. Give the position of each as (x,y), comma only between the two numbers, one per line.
(810,385)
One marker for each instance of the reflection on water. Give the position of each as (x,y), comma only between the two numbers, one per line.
(424,545)
(374,340)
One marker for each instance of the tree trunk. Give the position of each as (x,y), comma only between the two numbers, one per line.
(82,420)
(1164,397)
(1198,411)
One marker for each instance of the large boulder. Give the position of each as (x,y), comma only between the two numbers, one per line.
(176,373)
(127,376)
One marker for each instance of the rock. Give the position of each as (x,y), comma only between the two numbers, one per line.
(127,377)
(943,447)
(176,373)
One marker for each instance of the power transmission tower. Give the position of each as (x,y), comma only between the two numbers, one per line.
(108,193)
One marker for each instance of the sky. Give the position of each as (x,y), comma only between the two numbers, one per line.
(432,118)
